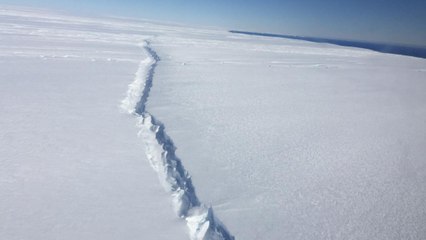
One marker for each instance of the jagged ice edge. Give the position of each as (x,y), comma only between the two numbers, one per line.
(160,151)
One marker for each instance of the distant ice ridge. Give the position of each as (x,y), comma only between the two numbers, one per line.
(160,150)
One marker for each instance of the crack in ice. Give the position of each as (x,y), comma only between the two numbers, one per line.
(160,150)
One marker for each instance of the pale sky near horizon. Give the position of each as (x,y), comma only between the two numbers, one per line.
(387,21)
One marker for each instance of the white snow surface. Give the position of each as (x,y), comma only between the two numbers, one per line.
(284,139)
(71,164)
(160,151)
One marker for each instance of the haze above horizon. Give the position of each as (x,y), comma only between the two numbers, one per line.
(384,21)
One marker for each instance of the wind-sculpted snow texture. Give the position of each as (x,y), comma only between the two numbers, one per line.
(160,151)
(71,165)
(284,139)
(297,140)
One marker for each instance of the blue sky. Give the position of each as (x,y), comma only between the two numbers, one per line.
(388,21)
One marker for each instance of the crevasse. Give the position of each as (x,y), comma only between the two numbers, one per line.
(160,151)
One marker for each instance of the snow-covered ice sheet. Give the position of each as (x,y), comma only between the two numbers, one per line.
(284,139)
(296,140)
(71,164)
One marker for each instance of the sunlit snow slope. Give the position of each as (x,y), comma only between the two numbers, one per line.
(296,140)
(284,139)
(71,165)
